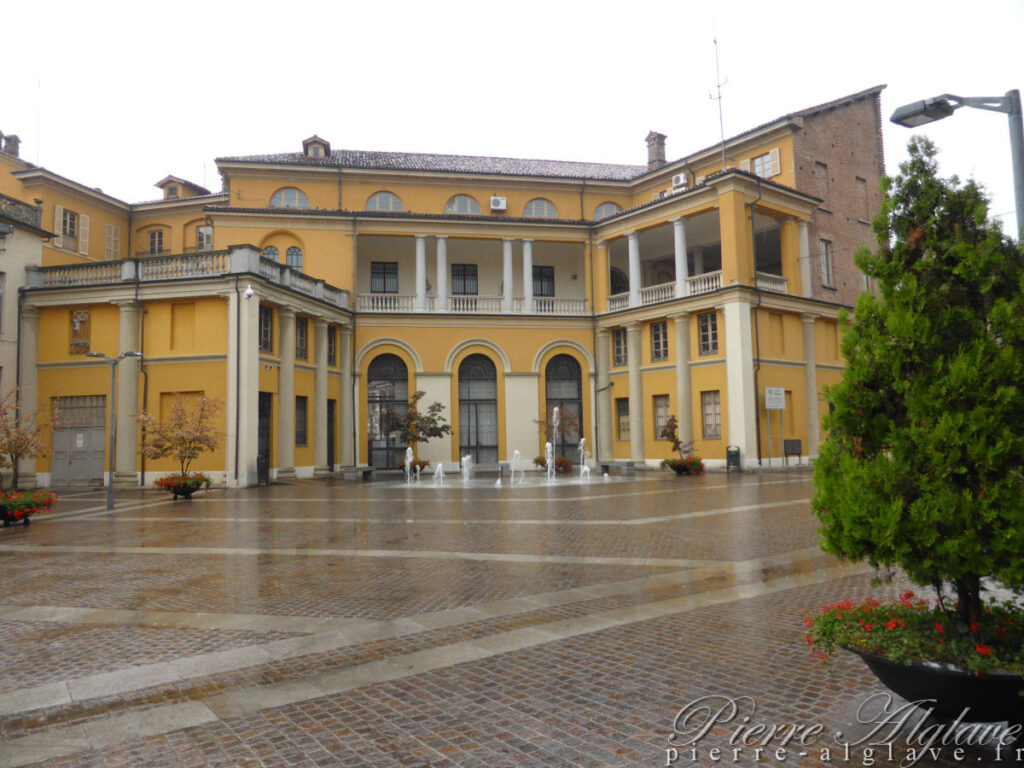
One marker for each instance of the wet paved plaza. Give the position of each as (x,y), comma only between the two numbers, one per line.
(331,623)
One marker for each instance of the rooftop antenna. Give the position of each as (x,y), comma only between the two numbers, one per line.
(719,82)
(39,110)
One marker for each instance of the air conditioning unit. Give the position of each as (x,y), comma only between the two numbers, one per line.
(499,204)
(679,180)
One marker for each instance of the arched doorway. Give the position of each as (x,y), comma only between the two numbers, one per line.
(478,409)
(387,398)
(563,384)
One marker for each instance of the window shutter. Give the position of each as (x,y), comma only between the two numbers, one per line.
(745,165)
(58,226)
(773,158)
(83,235)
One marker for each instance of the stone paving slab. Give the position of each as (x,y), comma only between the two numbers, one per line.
(561,626)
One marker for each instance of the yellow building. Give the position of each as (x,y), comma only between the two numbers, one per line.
(321,288)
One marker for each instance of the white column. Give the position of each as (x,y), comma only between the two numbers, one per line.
(28,395)
(636,392)
(242,414)
(805,260)
(528,277)
(286,395)
(604,397)
(348,447)
(442,273)
(739,377)
(506,264)
(127,396)
(682,267)
(421,273)
(811,386)
(635,278)
(320,426)
(684,394)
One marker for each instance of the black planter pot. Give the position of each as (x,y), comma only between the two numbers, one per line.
(991,697)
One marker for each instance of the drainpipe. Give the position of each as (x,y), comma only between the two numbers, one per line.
(145,378)
(352,350)
(593,342)
(757,331)
(238,383)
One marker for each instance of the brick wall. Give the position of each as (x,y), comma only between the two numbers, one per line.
(838,157)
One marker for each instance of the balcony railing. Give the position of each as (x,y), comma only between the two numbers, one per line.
(15,209)
(549,305)
(769,282)
(708,282)
(483,305)
(241,260)
(618,301)
(463,304)
(386,302)
(655,293)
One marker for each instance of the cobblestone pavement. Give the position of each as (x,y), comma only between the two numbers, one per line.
(325,623)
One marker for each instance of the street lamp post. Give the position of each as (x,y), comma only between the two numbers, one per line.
(112,362)
(930,110)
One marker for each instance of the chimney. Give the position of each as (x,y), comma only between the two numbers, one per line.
(11,144)
(655,150)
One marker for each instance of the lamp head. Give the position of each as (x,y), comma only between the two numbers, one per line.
(95,354)
(249,292)
(923,112)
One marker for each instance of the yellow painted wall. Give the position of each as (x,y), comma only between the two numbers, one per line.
(706,378)
(186,327)
(55,332)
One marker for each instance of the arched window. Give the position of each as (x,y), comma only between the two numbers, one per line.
(271,252)
(539,208)
(604,210)
(563,384)
(293,258)
(387,401)
(462,204)
(619,280)
(289,197)
(478,409)
(383,201)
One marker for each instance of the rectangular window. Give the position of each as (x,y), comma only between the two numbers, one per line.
(204,237)
(707,325)
(543,281)
(301,437)
(763,166)
(659,341)
(383,277)
(619,352)
(862,198)
(332,345)
(112,250)
(266,328)
(464,281)
(156,242)
(827,274)
(711,407)
(622,417)
(301,338)
(661,414)
(821,184)
(69,230)
(79,331)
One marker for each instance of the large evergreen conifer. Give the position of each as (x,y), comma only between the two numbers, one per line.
(923,466)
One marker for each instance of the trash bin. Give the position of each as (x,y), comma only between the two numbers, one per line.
(262,469)
(732,458)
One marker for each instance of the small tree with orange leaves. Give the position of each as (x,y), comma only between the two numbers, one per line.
(23,435)
(185,434)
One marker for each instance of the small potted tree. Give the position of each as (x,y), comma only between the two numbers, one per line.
(685,463)
(418,427)
(923,470)
(184,435)
(22,436)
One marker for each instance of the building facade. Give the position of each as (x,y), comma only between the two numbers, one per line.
(320,289)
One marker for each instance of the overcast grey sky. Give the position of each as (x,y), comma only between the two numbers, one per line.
(118,95)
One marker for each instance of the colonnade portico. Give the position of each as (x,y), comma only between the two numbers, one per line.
(444,300)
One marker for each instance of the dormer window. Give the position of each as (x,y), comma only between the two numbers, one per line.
(314,146)
(172,191)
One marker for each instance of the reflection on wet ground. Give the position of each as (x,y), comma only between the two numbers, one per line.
(343,623)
